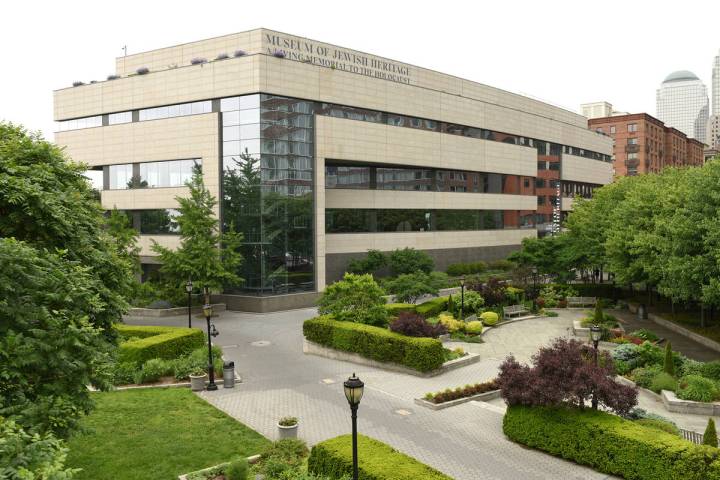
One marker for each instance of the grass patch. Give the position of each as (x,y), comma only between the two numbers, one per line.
(156,433)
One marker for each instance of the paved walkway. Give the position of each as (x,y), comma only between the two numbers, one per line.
(680,343)
(465,441)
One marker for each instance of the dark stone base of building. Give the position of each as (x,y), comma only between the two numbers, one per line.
(276,303)
(336,264)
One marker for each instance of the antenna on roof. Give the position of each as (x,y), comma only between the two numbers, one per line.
(124,50)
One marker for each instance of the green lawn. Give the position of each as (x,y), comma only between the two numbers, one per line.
(156,434)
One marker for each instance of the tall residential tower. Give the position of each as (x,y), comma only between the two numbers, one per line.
(682,103)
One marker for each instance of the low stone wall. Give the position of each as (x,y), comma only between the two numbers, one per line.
(712,344)
(312,348)
(251,460)
(171,312)
(483,397)
(674,404)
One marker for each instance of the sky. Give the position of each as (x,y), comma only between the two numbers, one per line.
(562,52)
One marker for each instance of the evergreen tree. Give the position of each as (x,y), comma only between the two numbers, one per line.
(206,255)
(668,365)
(451,304)
(710,435)
(599,315)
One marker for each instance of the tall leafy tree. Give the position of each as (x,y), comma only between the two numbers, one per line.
(206,255)
(62,286)
(125,239)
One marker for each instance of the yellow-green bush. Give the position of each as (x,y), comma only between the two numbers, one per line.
(489,318)
(157,342)
(474,328)
(453,325)
(380,461)
(394,309)
(432,307)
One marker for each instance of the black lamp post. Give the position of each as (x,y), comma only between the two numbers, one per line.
(354,388)
(462,298)
(595,334)
(188,289)
(211,332)
(534,275)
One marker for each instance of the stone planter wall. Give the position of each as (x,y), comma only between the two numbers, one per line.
(171,312)
(251,460)
(312,348)
(491,395)
(674,404)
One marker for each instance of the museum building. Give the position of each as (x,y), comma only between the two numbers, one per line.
(318,153)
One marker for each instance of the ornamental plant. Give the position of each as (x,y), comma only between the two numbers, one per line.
(710,435)
(409,260)
(564,373)
(414,325)
(355,298)
(668,365)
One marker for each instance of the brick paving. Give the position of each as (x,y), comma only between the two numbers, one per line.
(465,441)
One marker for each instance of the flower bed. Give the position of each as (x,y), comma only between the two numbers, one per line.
(461,392)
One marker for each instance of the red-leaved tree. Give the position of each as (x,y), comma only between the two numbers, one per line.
(565,374)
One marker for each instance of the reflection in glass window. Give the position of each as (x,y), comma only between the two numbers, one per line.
(121,117)
(173,173)
(95,177)
(120,176)
(339,220)
(347,177)
(161,221)
(78,123)
(180,110)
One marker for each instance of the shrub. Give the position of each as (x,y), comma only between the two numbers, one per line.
(124,373)
(711,370)
(551,296)
(489,318)
(474,328)
(379,461)
(408,287)
(691,367)
(668,365)
(610,444)
(461,392)
(501,265)
(142,71)
(564,373)
(280,457)
(413,325)
(409,260)
(198,61)
(153,370)
(697,388)
(645,334)
(374,261)
(451,323)
(157,342)
(644,376)
(473,302)
(239,53)
(493,291)
(432,307)
(422,354)
(710,435)
(31,456)
(355,298)
(662,425)
(238,469)
(663,381)
(394,309)
(458,269)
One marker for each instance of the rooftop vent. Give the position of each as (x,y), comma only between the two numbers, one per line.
(78,83)
(222,56)
(198,61)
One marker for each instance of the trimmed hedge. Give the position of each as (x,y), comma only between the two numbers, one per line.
(611,444)
(394,309)
(432,307)
(376,461)
(157,342)
(419,353)
(457,269)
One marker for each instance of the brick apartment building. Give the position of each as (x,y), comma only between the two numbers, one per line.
(643,144)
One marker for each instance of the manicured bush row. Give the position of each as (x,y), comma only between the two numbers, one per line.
(461,392)
(395,308)
(422,354)
(157,342)
(376,461)
(432,307)
(457,269)
(611,444)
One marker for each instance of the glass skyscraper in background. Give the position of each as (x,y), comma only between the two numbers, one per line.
(682,103)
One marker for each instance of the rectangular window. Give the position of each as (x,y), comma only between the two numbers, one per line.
(174,173)
(347,177)
(78,123)
(612,128)
(120,117)
(180,110)
(632,127)
(419,220)
(632,141)
(159,222)
(120,176)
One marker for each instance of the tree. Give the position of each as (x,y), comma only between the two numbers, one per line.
(409,287)
(205,255)
(409,260)
(668,365)
(710,435)
(564,373)
(374,261)
(125,238)
(355,298)
(31,456)
(546,254)
(62,286)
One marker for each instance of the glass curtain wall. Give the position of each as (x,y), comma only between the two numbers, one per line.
(268,191)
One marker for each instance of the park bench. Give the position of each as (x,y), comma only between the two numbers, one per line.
(581,301)
(511,310)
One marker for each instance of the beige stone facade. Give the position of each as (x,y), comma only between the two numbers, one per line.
(471,129)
